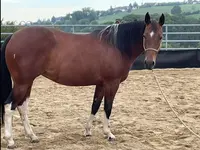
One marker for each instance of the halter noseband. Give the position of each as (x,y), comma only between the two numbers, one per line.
(151,49)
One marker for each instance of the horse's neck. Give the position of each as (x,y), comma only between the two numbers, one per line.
(136,51)
(128,62)
(129,39)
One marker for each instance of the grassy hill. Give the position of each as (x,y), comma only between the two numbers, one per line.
(197,16)
(151,10)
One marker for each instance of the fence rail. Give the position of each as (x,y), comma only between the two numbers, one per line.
(166,40)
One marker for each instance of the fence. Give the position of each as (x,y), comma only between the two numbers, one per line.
(172,59)
(173,35)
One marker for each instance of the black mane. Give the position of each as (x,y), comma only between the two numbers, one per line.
(122,36)
(129,35)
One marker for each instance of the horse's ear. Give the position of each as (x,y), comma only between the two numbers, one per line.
(147,18)
(162,19)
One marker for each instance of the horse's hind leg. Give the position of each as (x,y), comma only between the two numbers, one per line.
(98,96)
(16,98)
(23,111)
(8,123)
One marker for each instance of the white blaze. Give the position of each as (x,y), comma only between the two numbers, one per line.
(152,33)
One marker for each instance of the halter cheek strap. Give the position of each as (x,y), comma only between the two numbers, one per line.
(151,49)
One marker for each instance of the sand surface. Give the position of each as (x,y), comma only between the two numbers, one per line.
(140,119)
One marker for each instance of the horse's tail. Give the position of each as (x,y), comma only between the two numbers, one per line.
(5,79)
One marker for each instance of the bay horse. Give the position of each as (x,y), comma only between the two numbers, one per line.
(73,60)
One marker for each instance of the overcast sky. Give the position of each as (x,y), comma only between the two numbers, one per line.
(32,10)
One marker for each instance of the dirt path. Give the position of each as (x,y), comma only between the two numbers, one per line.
(140,120)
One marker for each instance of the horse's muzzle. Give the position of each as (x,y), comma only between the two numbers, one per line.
(149,64)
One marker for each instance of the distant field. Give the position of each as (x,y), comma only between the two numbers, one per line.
(197,16)
(151,10)
(112,17)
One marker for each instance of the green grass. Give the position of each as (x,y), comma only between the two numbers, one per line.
(190,7)
(151,10)
(112,17)
(196,16)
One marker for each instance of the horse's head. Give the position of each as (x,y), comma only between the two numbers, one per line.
(152,40)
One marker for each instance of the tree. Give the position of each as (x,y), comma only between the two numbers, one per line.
(53,19)
(131,17)
(77,15)
(68,16)
(135,5)
(10,29)
(84,21)
(190,1)
(108,22)
(111,9)
(89,14)
(94,22)
(130,7)
(176,10)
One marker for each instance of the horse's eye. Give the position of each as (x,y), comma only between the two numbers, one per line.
(161,38)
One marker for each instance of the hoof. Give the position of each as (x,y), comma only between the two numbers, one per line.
(35,140)
(111,137)
(88,133)
(11,146)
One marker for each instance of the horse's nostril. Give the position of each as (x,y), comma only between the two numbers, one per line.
(149,64)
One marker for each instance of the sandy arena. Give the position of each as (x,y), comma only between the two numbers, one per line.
(140,119)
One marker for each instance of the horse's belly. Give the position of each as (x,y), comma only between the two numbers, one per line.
(78,82)
(75,76)
(80,77)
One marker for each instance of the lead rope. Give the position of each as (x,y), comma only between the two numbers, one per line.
(155,77)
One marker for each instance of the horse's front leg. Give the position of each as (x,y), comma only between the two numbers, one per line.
(98,96)
(110,92)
